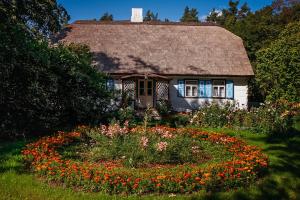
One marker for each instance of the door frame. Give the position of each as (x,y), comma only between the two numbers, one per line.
(148,99)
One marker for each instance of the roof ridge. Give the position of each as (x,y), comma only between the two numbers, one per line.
(127,22)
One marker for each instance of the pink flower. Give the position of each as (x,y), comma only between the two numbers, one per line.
(166,134)
(144,141)
(195,149)
(114,130)
(161,146)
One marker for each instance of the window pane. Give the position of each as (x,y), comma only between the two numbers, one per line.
(149,88)
(188,91)
(195,92)
(222,91)
(215,92)
(149,84)
(142,92)
(142,84)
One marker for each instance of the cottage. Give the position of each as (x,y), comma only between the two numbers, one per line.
(185,64)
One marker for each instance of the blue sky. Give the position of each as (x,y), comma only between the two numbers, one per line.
(171,9)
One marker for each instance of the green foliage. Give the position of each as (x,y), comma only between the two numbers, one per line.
(190,15)
(38,16)
(150,16)
(278,68)
(107,17)
(43,88)
(177,120)
(257,29)
(268,118)
(143,149)
(163,107)
(125,114)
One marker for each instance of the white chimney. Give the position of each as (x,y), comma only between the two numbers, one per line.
(137,15)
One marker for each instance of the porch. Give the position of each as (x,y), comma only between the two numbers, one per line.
(145,90)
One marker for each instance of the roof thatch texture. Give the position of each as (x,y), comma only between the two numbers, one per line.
(169,49)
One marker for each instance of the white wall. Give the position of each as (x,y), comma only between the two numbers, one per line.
(118,84)
(183,104)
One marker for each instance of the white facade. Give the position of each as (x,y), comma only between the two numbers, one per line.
(185,104)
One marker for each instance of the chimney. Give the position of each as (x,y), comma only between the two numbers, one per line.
(137,15)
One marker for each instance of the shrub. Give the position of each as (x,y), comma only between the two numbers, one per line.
(46,88)
(268,118)
(214,115)
(136,148)
(176,120)
(163,107)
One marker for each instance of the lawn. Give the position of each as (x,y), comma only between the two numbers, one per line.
(282,181)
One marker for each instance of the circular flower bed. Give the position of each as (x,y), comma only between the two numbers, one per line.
(245,165)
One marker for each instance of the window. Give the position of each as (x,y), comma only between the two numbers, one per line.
(219,88)
(142,88)
(149,88)
(191,88)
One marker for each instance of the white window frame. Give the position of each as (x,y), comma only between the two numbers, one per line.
(192,86)
(218,86)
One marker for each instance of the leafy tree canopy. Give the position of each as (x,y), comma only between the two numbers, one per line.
(44,88)
(190,15)
(278,68)
(150,16)
(107,17)
(257,29)
(37,16)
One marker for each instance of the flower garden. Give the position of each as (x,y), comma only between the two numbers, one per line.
(142,160)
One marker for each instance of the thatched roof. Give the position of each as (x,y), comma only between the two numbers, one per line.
(162,48)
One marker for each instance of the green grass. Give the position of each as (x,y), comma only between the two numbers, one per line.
(281,182)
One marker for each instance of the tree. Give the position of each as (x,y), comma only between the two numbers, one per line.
(278,68)
(107,17)
(244,11)
(150,16)
(44,88)
(213,16)
(190,15)
(37,16)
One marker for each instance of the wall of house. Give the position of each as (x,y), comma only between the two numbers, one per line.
(117,84)
(183,104)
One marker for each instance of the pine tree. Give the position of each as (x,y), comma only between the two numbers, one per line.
(190,15)
(107,17)
(150,16)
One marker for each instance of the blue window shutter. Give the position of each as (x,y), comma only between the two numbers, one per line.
(110,84)
(208,88)
(229,89)
(181,88)
(201,88)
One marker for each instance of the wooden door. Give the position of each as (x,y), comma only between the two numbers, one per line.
(145,93)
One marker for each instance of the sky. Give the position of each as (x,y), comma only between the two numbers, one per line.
(171,9)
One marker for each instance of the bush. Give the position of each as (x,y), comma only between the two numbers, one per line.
(163,107)
(45,88)
(176,120)
(268,118)
(157,145)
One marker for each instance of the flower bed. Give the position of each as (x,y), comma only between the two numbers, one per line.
(245,166)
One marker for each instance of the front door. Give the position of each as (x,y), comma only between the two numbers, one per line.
(145,93)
